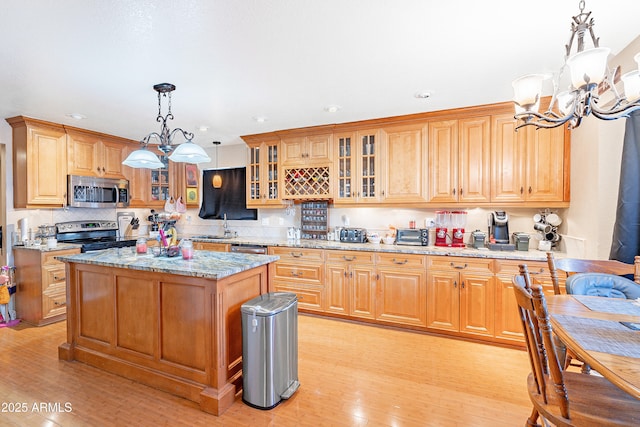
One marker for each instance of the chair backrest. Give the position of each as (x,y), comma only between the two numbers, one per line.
(572,265)
(545,365)
(602,285)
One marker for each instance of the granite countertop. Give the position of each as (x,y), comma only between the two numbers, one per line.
(530,255)
(44,248)
(206,264)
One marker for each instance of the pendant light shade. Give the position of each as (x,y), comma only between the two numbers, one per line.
(189,152)
(217,179)
(143,158)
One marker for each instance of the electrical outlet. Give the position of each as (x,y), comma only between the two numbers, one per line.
(281,221)
(265,221)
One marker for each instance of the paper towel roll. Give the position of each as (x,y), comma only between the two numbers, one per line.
(23,224)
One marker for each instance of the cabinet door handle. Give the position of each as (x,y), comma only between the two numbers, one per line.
(345,274)
(455,283)
(521,190)
(296,255)
(462,284)
(454,191)
(460,191)
(530,189)
(383,193)
(351,274)
(458,267)
(400,262)
(346,258)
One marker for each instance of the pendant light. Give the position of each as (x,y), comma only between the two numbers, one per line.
(187,152)
(217,179)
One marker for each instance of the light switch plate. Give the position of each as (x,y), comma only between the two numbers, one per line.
(265,221)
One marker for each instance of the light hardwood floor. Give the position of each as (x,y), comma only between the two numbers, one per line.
(350,375)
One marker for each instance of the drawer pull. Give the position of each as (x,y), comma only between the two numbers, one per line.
(59,303)
(459,267)
(59,279)
(346,258)
(296,255)
(541,271)
(395,261)
(296,274)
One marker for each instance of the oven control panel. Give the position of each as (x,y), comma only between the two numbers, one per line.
(75,226)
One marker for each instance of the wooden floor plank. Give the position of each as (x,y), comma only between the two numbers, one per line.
(350,375)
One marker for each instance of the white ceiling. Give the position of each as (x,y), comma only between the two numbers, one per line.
(286,60)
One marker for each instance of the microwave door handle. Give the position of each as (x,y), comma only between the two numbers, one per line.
(115,187)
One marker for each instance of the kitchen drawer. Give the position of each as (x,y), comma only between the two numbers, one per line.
(54,300)
(401,260)
(53,274)
(350,257)
(297,254)
(49,258)
(512,266)
(298,272)
(462,264)
(309,296)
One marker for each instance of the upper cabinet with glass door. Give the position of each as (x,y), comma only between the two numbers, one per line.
(263,188)
(357,167)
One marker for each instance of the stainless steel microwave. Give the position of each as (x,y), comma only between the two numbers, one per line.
(95,192)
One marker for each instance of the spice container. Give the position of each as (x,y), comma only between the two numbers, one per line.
(141,246)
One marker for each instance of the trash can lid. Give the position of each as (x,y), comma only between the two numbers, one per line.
(269,303)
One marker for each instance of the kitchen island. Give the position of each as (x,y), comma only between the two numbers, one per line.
(170,323)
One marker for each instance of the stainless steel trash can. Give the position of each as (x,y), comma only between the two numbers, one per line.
(269,349)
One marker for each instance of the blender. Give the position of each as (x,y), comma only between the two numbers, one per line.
(458,223)
(443,221)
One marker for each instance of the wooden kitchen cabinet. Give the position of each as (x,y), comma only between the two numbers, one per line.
(461,295)
(41,296)
(459,160)
(300,271)
(39,163)
(350,283)
(405,167)
(95,154)
(211,246)
(401,296)
(358,172)
(263,179)
(529,166)
(306,150)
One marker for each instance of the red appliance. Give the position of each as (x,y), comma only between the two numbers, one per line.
(458,223)
(443,221)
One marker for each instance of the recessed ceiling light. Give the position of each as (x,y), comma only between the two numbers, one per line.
(332,108)
(260,119)
(203,128)
(423,94)
(76,116)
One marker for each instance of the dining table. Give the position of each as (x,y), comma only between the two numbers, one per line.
(603,332)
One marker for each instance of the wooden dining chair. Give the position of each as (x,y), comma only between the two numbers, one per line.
(596,277)
(562,397)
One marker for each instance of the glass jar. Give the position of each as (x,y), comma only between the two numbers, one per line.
(186,247)
(141,246)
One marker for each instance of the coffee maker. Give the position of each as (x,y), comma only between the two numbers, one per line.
(498,227)
(458,223)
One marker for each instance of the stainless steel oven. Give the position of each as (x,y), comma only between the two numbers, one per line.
(95,192)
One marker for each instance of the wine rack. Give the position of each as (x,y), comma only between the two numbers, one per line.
(306,183)
(314,221)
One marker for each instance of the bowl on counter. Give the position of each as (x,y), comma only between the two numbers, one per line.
(374,238)
(388,240)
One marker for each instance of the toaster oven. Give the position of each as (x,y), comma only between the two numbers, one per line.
(412,236)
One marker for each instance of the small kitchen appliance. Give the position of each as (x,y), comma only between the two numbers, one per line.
(499,227)
(352,235)
(458,223)
(521,240)
(478,239)
(94,192)
(412,236)
(443,221)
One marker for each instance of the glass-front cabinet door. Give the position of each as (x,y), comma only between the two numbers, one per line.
(263,174)
(160,181)
(356,166)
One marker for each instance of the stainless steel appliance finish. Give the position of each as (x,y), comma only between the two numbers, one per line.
(352,235)
(95,192)
(412,236)
(499,227)
(269,349)
(478,239)
(92,235)
(521,240)
(249,249)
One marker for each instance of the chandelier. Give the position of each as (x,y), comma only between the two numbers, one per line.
(588,69)
(187,152)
